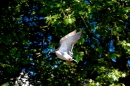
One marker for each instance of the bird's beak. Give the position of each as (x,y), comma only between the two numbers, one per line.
(51,52)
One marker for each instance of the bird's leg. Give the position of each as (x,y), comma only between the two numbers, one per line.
(69,62)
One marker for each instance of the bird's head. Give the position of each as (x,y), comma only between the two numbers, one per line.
(52,51)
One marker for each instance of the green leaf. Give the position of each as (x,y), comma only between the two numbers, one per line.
(78,57)
(126,9)
(118,29)
(13,50)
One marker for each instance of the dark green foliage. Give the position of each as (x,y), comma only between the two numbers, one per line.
(25,26)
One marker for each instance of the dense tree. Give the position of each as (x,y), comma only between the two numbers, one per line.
(32,28)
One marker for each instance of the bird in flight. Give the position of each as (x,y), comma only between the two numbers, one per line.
(67,42)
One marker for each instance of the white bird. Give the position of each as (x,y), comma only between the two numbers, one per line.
(64,52)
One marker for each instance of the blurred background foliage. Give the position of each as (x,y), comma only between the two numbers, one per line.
(29,29)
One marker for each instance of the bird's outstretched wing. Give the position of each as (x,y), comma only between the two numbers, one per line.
(66,36)
(67,42)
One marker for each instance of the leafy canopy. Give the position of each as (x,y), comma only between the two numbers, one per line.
(32,28)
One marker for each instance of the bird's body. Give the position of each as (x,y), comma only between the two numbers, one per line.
(64,52)
(63,55)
